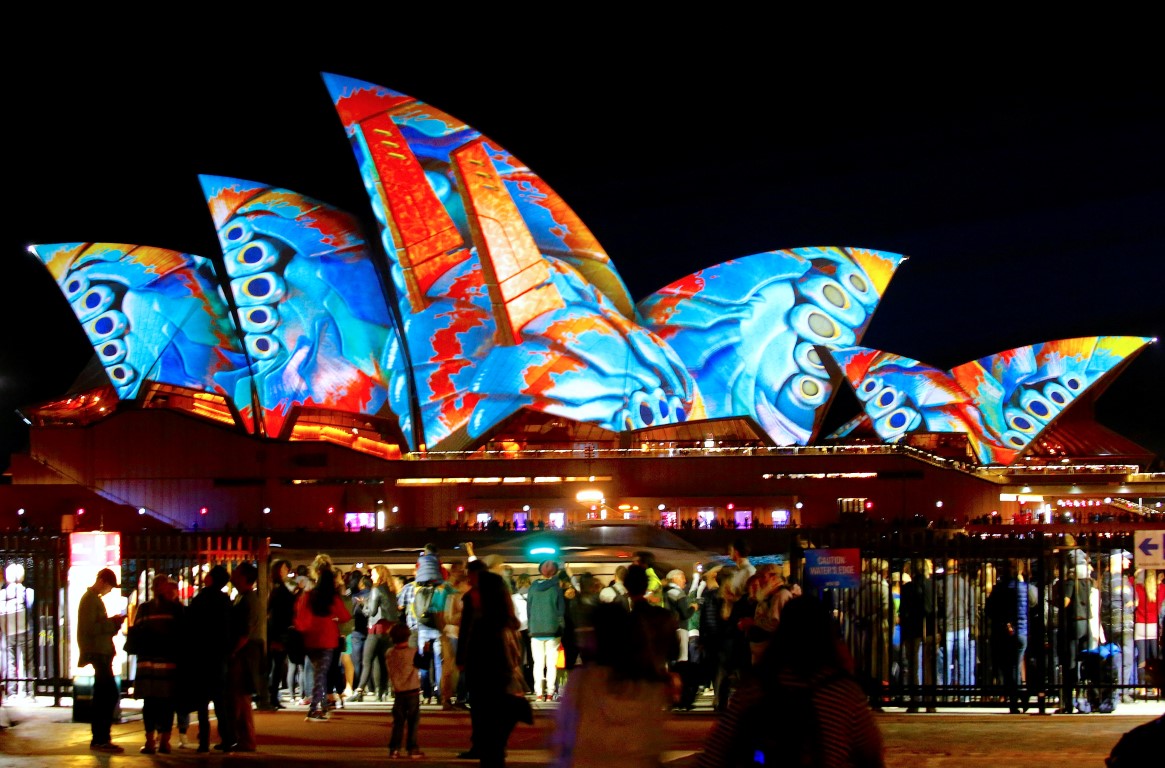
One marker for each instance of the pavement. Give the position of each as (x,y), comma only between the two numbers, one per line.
(38,734)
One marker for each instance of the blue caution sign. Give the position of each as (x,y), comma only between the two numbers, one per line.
(833,568)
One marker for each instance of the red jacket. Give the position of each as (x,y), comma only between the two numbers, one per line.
(320,631)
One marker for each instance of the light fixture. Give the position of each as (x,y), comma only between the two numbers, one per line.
(20,511)
(141,510)
(266,510)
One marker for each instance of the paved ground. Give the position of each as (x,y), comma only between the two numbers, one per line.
(41,735)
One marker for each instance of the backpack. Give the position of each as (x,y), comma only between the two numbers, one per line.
(427,606)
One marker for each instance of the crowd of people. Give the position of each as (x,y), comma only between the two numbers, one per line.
(614,653)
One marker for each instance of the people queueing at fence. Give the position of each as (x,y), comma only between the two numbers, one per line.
(957,596)
(1117,618)
(1147,618)
(17,609)
(801,705)
(245,671)
(156,638)
(95,631)
(203,669)
(318,612)
(1075,597)
(1008,608)
(872,611)
(546,617)
(916,620)
(280,614)
(611,708)
(406,684)
(489,650)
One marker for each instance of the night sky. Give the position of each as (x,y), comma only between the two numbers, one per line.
(1030,200)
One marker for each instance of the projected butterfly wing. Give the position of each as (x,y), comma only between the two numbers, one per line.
(747,330)
(314,318)
(151,314)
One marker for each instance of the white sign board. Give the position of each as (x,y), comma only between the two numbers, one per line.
(1149,549)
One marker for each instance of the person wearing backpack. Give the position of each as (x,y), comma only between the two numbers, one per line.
(423,604)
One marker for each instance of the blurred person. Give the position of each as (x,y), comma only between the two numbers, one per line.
(318,614)
(612,708)
(615,591)
(157,640)
(1007,610)
(1075,594)
(452,691)
(1141,745)
(958,600)
(339,670)
(675,599)
(490,653)
(1145,621)
(916,618)
(804,682)
(422,603)
(873,618)
(654,626)
(1118,601)
(646,560)
(359,587)
(522,611)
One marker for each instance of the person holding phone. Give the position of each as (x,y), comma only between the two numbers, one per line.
(95,631)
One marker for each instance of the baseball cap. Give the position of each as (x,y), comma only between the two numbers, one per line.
(108,576)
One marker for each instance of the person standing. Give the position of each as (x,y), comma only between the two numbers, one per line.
(280,614)
(1118,612)
(16,612)
(1075,627)
(157,642)
(422,602)
(916,620)
(203,668)
(675,599)
(244,671)
(317,615)
(380,609)
(95,631)
(957,597)
(546,612)
(490,652)
(406,683)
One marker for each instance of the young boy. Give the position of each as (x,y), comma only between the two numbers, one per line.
(406,685)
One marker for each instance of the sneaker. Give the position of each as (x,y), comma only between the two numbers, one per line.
(108,746)
(416,754)
(394,754)
(317,716)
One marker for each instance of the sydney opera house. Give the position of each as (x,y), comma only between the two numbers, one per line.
(479,358)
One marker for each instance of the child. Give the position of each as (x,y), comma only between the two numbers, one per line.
(429,566)
(406,684)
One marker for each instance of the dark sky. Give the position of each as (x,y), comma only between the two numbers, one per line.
(1029,198)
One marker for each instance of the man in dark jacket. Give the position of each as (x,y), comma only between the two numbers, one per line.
(95,631)
(546,618)
(205,669)
(916,619)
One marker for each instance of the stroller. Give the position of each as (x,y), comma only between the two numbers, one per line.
(1098,678)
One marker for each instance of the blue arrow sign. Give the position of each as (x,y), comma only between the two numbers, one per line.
(1147,547)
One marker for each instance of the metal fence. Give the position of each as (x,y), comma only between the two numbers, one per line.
(35,626)
(1016,621)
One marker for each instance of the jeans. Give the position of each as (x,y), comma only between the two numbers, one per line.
(430,679)
(356,642)
(321,661)
(959,668)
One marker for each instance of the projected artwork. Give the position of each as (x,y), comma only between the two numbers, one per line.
(313,317)
(508,301)
(747,330)
(150,313)
(495,298)
(1002,402)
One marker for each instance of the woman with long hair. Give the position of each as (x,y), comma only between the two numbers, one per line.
(380,608)
(318,614)
(489,649)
